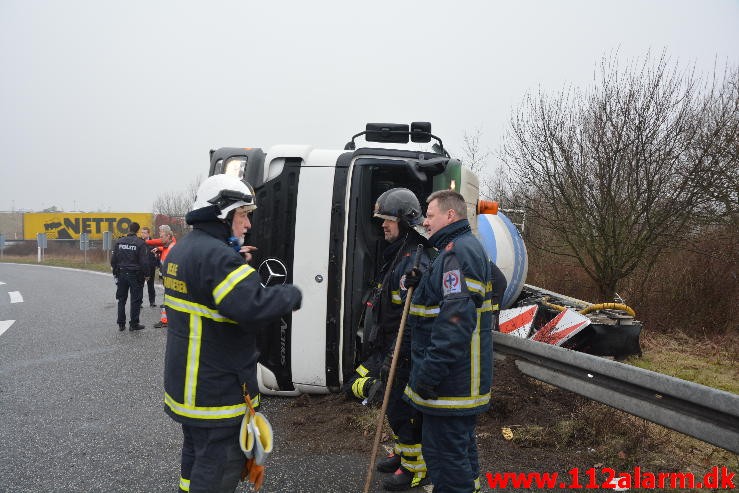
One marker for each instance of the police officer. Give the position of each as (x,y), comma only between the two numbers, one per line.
(401,214)
(130,265)
(451,321)
(215,303)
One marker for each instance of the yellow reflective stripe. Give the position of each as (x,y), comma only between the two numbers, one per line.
(362,370)
(475,357)
(231,280)
(195,309)
(466,402)
(486,307)
(424,311)
(417,478)
(193,359)
(199,412)
(256,401)
(395,298)
(358,386)
(475,285)
(184,484)
(413,465)
(411,449)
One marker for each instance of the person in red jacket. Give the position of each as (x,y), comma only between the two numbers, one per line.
(162,244)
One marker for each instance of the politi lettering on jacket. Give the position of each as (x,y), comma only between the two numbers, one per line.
(171,282)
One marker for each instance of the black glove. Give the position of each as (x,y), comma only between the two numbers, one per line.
(412,278)
(297,305)
(385,368)
(426,392)
(376,393)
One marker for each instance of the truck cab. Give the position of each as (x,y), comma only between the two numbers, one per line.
(314,228)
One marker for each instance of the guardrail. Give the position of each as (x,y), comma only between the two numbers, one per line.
(702,412)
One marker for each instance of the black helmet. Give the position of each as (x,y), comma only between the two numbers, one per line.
(399,204)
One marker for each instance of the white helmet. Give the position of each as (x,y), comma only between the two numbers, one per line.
(227,192)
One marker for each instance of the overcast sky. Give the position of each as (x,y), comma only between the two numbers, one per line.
(104,105)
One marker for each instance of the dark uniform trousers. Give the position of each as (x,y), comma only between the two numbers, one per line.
(211,459)
(450,450)
(150,287)
(405,421)
(133,281)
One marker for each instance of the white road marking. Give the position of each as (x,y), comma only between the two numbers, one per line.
(15,296)
(1,283)
(5,325)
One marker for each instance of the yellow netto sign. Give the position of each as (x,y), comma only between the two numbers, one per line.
(70,225)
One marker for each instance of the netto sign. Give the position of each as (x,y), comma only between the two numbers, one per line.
(69,226)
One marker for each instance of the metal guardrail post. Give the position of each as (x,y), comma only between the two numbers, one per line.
(702,412)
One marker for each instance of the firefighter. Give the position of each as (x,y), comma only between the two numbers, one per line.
(130,265)
(401,214)
(215,303)
(451,319)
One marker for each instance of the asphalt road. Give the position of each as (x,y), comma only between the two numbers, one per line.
(81,403)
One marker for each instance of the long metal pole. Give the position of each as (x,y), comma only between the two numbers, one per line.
(390,378)
(388,387)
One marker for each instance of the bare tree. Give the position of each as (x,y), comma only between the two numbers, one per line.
(617,173)
(474,157)
(178,204)
(478,161)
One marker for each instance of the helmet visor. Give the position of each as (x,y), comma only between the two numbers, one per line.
(386,216)
(228,200)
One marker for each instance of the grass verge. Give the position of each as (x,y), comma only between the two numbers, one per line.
(712,362)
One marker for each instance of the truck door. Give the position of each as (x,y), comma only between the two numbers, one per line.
(374,171)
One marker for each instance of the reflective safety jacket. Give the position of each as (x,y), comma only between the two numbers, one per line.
(385,306)
(451,322)
(215,303)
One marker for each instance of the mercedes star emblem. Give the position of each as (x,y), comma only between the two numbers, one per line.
(273,272)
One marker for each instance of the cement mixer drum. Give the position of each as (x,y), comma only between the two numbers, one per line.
(505,247)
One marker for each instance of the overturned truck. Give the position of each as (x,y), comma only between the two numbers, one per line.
(314,227)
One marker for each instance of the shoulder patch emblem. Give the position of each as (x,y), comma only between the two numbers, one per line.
(451,282)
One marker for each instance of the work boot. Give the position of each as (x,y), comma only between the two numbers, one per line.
(403,480)
(133,327)
(389,463)
(121,327)
(160,325)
